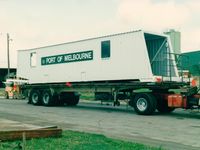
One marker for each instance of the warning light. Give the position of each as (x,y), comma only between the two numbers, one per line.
(68,84)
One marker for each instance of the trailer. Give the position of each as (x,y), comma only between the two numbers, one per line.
(112,67)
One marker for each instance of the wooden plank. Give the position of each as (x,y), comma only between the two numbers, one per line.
(29,134)
(45,127)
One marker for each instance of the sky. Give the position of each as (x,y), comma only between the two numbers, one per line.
(36,23)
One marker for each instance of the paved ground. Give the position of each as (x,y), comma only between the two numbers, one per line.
(10,125)
(179,130)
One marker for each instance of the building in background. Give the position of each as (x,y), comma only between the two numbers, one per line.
(190,62)
(175,37)
(4,72)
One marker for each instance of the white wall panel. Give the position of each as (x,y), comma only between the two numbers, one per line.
(128,61)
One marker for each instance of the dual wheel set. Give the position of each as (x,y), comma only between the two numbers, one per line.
(47,98)
(147,103)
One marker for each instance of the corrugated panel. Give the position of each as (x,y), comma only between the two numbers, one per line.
(159,55)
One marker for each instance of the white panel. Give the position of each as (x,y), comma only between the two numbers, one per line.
(128,61)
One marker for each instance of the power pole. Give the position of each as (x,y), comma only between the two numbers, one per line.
(8,54)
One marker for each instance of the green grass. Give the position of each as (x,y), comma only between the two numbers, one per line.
(72,140)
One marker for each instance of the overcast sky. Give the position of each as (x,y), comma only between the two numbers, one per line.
(35,23)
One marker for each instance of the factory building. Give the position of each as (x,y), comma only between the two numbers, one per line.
(190,62)
(4,72)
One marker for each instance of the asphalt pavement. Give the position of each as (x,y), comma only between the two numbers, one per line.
(178,130)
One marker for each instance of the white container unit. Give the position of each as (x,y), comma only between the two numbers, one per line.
(136,55)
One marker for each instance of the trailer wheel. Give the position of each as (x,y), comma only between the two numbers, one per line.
(162,104)
(69,98)
(35,97)
(162,107)
(144,103)
(6,95)
(47,98)
(73,101)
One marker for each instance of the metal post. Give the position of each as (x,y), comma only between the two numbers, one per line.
(8,54)
(170,65)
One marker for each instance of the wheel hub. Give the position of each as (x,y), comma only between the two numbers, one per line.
(35,98)
(46,98)
(141,104)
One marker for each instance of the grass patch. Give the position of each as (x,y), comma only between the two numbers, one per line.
(72,140)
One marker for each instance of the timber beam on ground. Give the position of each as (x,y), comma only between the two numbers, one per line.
(29,134)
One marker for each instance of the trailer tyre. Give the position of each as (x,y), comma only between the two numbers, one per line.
(69,98)
(73,101)
(144,103)
(35,97)
(6,95)
(162,107)
(47,98)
